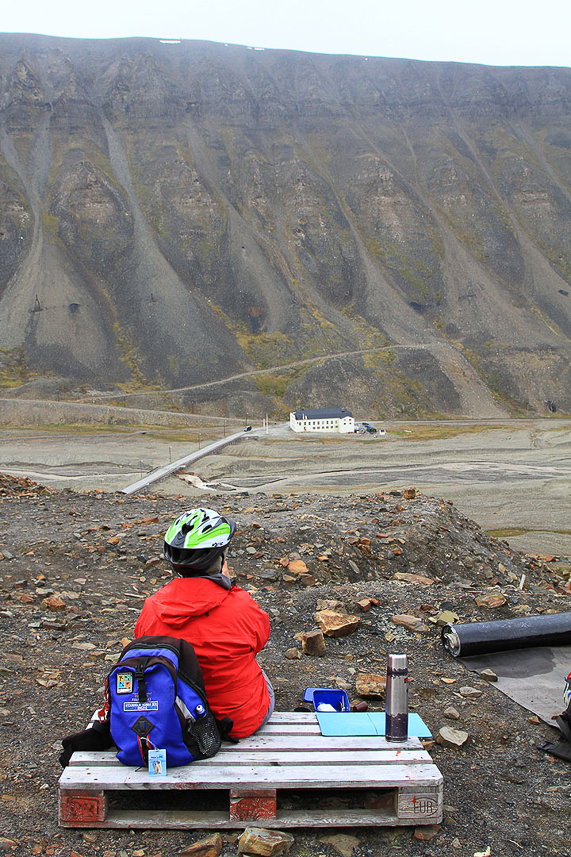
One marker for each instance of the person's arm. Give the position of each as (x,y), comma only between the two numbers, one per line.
(258,624)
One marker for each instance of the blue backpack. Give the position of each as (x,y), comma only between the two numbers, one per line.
(156,700)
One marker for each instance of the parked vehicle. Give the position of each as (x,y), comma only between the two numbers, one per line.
(247,428)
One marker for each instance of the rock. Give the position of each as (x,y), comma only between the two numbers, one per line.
(336,624)
(23,597)
(209,847)
(452,738)
(89,837)
(297,566)
(7,844)
(53,625)
(470,692)
(426,833)
(343,843)
(451,713)
(413,578)
(293,654)
(445,617)
(54,603)
(411,623)
(313,643)
(409,493)
(329,604)
(370,685)
(493,600)
(488,675)
(364,605)
(258,840)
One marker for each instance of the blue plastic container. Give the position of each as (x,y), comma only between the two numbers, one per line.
(332,696)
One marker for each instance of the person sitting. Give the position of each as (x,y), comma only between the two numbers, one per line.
(222,621)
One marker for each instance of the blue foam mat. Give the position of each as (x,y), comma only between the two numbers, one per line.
(365,723)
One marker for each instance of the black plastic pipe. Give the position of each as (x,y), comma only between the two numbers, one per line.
(480,638)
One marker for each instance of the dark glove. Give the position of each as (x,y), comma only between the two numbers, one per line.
(97,737)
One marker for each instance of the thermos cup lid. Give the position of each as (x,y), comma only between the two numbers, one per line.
(397,662)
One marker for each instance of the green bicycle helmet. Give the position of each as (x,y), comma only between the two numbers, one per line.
(196,538)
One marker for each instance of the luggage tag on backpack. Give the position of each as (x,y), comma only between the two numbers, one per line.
(157,763)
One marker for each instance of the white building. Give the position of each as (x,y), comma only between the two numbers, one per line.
(322,419)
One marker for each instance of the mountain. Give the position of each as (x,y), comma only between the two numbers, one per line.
(389,235)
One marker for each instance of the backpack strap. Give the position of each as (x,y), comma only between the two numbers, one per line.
(140,676)
(225,726)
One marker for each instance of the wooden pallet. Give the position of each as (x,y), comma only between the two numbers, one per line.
(288,775)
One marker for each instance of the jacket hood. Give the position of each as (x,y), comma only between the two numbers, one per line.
(187,598)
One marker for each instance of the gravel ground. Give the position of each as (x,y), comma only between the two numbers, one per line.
(100,554)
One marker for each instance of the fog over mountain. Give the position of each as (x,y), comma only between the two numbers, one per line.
(178,214)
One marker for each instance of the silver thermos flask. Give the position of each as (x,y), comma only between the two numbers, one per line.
(396,709)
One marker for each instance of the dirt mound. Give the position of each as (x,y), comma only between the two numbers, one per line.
(20,485)
(76,568)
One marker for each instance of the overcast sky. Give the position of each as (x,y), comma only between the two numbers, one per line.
(493,32)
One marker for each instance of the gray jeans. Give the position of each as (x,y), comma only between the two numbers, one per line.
(272,704)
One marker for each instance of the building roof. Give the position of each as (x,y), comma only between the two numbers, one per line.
(322,413)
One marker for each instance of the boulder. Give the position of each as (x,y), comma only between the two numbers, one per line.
(336,624)
(312,643)
(268,843)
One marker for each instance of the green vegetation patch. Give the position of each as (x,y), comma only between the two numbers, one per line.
(267,349)
(420,431)
(511,532)
(14,369)
(271,384)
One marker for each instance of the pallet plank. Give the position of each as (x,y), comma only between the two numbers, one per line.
(294,776)
(200,820)
(105,758)
(263,741)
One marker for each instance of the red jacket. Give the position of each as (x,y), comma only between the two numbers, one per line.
(227,629)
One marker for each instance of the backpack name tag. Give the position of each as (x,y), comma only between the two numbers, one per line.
(141,706)
(124,682)
(157,763)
